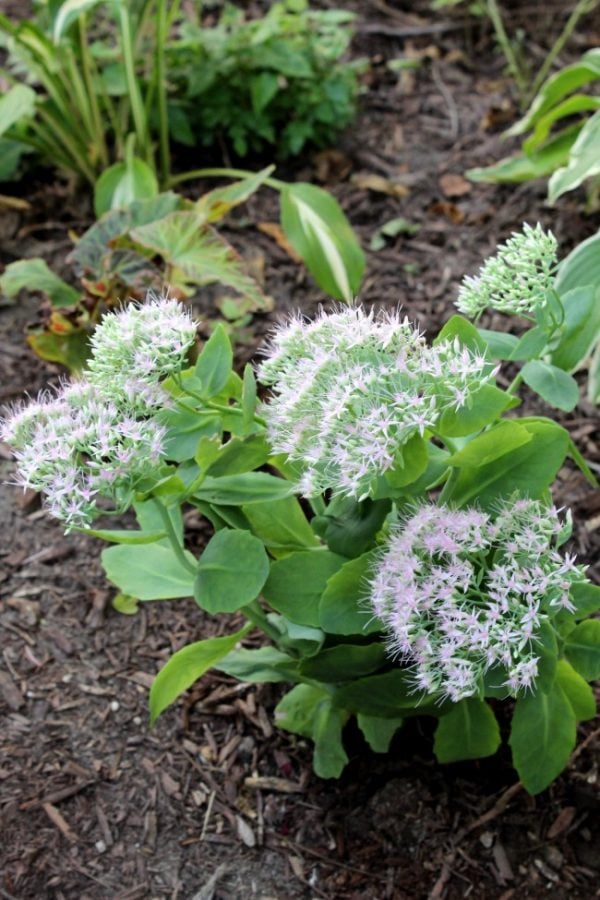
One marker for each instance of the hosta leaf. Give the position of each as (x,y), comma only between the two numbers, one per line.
(584,161)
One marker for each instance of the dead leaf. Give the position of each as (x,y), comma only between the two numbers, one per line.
(274,231)
(454,185)
(7,202)
(369,181)
(450,210)
(331,166)
(245,833)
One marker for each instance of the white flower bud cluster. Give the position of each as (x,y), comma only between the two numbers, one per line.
(95,440)
(516,279)
(351,388)
(463,593)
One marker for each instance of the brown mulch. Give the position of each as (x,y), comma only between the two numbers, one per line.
(214,802)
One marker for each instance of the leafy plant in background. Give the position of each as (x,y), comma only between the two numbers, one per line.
(423,573)
(101,89)
(567,152)
(274,81)
(168,239)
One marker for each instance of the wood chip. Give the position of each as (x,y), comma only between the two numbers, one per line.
(57,819)
(561,822)
(369,181)
(245,833)
(272,783)
(454,185)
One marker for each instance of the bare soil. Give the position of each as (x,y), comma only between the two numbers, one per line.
(213,802)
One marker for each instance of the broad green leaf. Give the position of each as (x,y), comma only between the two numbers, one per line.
(281,524)
(68,12)
(568,79)
(149,571)
(342,607)
(71,350)
(266,664)
(149,517)
(239,456)
(577,690)
(187,666)
(300,640)
(493,444)
(468,731)
(125,537)
(528,468)
(542,738)
(378,731)
(555,386)
(586,598)
(263,87)
(199,253)
(309,711)
(34,275)
(576,104)
(346,662)
(411,461)
(388,695)
(296,582)
(542,161)
(584,161)
(231,571)
(123,183)
(580,268)
(582,649)
(185,429)
(318,230)
(247,487)
(214,363)
(349,527)
(17,103)
(485,406)
(530,345)
(10,158)
(468,335)
(216,204)
(581,328)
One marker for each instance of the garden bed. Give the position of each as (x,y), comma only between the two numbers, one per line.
(214,801)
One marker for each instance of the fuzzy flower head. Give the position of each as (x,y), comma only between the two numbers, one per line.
(516,279)
(463,592)
(81,451)
(90,444)
(351,388)
(133,349)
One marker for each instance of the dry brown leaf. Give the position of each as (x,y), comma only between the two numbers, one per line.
(274,231)
(454,185)
(450,210)
(369,181)
(7,202)
(332,165)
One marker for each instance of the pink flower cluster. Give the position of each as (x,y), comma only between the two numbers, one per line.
(463,593)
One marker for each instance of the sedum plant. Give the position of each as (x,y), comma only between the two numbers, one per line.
(379,517)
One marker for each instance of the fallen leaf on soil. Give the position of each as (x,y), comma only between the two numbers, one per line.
(13,203)
(273,230)
(450,210)
(561,822)
(332,165)
(454,185)
(369,181)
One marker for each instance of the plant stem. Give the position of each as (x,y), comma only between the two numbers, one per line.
(172,536)
(515,384)
(505,44)
(583,7)
(256,614)
(162,33)
(274,183)
(133,90)
(88,70)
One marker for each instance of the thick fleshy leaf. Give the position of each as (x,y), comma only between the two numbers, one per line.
(581,267)
(345,662)
(318,230)
(378,731)
(555,386)
(542,161)
(577,690)
(231,571)
(581,328)
(247,487)
(582,649)
(542,737)
(342,607)
(309,711)
(468,731)
(213,366)
(296,582)
(149,571)
(187,666)
(266,664)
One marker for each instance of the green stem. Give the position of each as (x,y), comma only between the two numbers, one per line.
(172,536)
(583,7)
(133,89)
(274,183)
(162,33)
(256,614)
(515,384)
(88,71)
(505,44)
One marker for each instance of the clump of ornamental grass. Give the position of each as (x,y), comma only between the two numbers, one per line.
(465,594)
(351,388)
(516,280)
(90,443)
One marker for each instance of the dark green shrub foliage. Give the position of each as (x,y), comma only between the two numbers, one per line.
(271,81)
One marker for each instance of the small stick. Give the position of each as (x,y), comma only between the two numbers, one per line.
(57,819)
